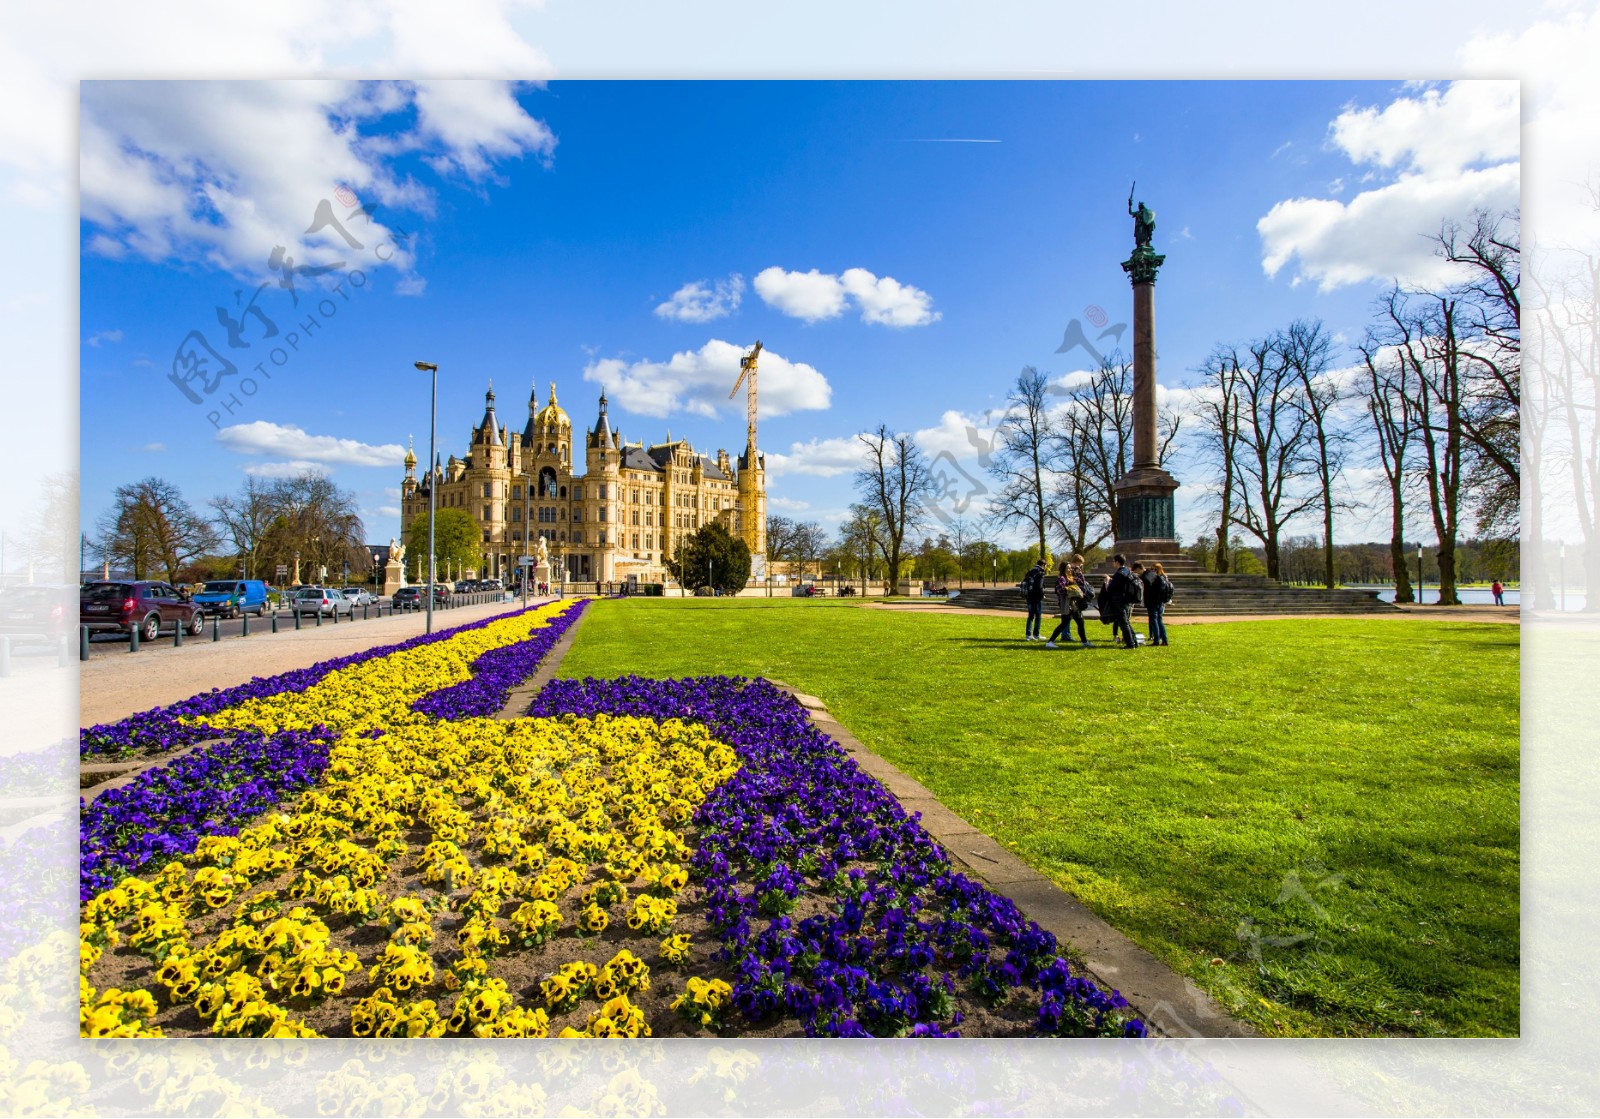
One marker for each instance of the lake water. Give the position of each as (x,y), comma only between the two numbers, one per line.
(1477,596)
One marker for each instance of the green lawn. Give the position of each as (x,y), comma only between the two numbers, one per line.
(1328,808)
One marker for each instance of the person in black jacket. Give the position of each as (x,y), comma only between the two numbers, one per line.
(1033,591)
(1157,590)
(1124,591)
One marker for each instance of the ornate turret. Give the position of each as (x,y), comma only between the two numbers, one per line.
(489,430)
(411,459)
(528,438)
(601,435)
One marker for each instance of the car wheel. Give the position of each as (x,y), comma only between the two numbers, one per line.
(150,628)
(197,624)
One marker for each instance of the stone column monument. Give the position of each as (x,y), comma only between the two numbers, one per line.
(1145,528)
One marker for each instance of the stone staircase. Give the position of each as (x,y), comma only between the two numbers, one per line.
(1204,593)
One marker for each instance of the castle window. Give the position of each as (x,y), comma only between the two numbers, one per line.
(563,491)
(577,514)
(485,512)
(600,538)
(485,536)
(636,541)
(488,489)
(516,512)
(636,516)
(603,516)
(648,519)
(577,537)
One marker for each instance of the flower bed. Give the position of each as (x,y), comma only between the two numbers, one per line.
(639,857)
(166,811)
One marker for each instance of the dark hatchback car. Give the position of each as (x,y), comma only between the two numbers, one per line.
(411,598)
(151,606)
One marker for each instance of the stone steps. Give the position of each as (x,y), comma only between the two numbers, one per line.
(1213,594)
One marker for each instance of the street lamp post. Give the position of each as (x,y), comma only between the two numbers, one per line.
(433,482)
(1562,575)
(527,533)
(1422,598)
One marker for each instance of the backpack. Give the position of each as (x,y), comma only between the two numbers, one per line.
(1165,586)
(1033,583)
(1135,590)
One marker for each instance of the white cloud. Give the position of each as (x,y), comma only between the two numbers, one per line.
(154,448)
(103,336)
(1438,132)
(388,510)
(224,172)
(1381,234)
(699,382)
(824,458)
(813,296)
(697,301)
(1425,154)
(284,469)
(263,438)
(788,504)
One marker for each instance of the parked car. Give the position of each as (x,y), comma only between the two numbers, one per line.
(359,596)
(36,610)
(321,600)
(489,585)
(407,598)
(141,603)
(232,597)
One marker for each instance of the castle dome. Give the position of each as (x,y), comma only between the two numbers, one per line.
(552,415)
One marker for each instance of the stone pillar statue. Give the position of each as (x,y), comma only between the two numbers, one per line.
(1145,526)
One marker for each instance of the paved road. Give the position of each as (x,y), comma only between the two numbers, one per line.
(116,644)
(115,683)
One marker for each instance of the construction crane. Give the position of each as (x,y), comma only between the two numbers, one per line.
(747,368)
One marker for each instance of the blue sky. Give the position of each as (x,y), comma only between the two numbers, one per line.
(537,233)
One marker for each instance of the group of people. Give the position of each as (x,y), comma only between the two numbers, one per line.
(1116,597)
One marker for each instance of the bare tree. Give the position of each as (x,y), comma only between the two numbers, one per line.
(859,536)
(897,484)
(1219,437)
(780,539)
(962,533)
(1024,458)
(246,519)
(1306,349)
(1489,326)
(151,530)
(810,542)
(1274,435)
(1096,450)
(318,519)
(1388,390)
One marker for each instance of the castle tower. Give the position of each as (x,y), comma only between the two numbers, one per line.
(602,507)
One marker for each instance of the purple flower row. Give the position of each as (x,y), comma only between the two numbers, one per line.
(165,812)
(904,928)
(498,671)
(158,730)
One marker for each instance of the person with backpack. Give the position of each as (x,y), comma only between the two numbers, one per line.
(1157,593)
(1125,592)
(1072,596)
(1033,591)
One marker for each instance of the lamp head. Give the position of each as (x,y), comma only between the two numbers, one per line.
(426,367)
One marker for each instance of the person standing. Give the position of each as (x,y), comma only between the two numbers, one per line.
(1072,590)
(1157,593)
(1499,593)
(1125,591)
(1033,592)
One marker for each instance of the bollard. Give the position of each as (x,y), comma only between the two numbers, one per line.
(216,627)
(244,623)
(297,617)
(274,621)
(364,607)
(319,617)
(5,655)
(83,643)
(133,638)
(335,613)
(177,636)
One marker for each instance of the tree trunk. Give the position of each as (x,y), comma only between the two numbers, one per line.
(1327,540)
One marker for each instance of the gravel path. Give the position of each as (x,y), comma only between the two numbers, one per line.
(114,687)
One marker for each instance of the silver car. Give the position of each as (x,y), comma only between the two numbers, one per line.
(359,596)
(321,600)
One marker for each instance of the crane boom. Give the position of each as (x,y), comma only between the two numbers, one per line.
(747,371)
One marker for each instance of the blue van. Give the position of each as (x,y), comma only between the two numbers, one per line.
(232,597)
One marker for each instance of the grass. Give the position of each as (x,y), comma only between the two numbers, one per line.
(1316,820)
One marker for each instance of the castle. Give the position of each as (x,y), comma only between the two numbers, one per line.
(621,516)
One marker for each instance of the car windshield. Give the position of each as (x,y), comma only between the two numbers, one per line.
(308,592)
(105,592)
(222,588)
